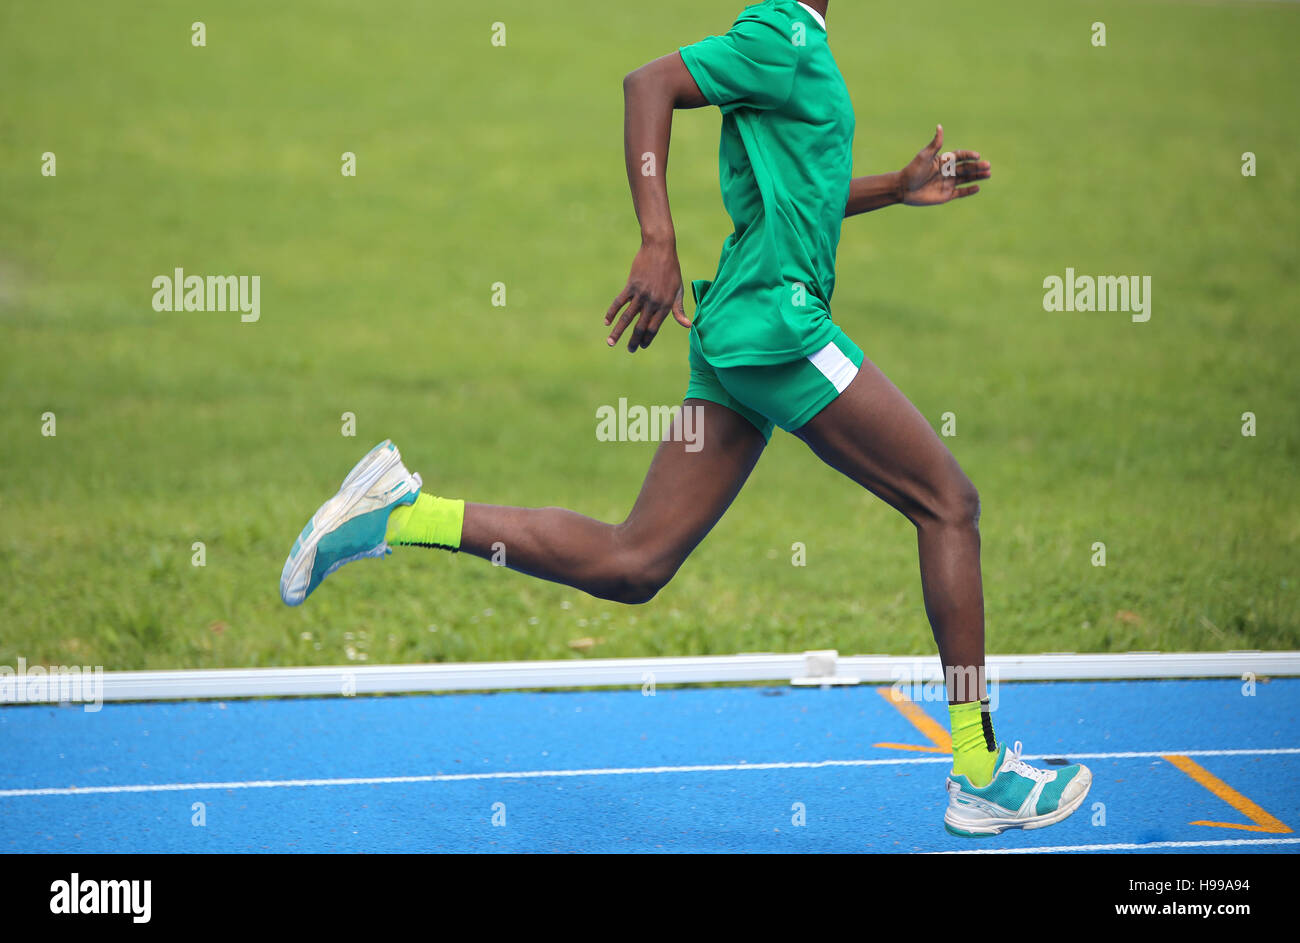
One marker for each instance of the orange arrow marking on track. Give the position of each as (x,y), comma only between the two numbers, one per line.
(931,729)
(1263,821)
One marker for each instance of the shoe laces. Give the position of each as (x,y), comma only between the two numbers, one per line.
(1019,766)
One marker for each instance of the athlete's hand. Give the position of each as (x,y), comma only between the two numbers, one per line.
(654,288)
(933,177)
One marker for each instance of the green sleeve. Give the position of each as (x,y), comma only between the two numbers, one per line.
(752,66)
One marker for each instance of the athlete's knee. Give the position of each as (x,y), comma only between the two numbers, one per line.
(962,505)
(635,591)
(638,573)
(640,585)
(956,503)
(632,589)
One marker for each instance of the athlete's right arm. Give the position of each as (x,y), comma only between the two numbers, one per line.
(654,286)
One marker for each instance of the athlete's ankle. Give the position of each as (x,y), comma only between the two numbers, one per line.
(974,746)
(429,522)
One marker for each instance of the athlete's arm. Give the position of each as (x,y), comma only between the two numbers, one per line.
(923,182)
(654,286)
(873,192)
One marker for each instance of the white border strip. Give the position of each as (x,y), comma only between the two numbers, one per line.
(1123,846)
(808,667)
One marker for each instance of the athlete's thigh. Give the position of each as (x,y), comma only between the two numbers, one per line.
(873,434)
(695,475)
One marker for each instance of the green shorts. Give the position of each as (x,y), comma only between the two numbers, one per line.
(781,394)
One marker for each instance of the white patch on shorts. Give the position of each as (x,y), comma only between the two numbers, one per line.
(834,366)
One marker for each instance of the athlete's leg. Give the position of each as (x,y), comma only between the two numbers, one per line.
(874,435)
(684,494)
(871,433)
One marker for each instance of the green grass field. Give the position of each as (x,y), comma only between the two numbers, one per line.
(479,164)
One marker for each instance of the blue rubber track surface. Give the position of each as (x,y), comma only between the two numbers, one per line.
(685,770)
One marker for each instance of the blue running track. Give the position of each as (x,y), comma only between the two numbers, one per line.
(686,770)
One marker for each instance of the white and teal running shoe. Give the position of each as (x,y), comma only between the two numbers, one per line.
(352,524)
(1020,796)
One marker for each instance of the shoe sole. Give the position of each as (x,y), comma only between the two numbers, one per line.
(376,463)
(989,827)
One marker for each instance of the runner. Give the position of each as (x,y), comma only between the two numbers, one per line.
(764,352)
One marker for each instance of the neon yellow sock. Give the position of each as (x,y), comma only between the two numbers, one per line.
(429,522)
(974,748)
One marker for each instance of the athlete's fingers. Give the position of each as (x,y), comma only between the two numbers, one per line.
(648,327)
(968,172)
(652,328)
(635,339)
(965,191)
(623,297)
(934,145)
(679,312)
(627,317)
(967,155)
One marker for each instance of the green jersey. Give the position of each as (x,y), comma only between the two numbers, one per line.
(785,162)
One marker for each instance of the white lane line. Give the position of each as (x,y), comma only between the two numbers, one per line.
(1049,849)
(553,773)
(462,777)
(1279,751)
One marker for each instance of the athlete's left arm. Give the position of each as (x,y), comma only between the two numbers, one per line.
(930,179)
